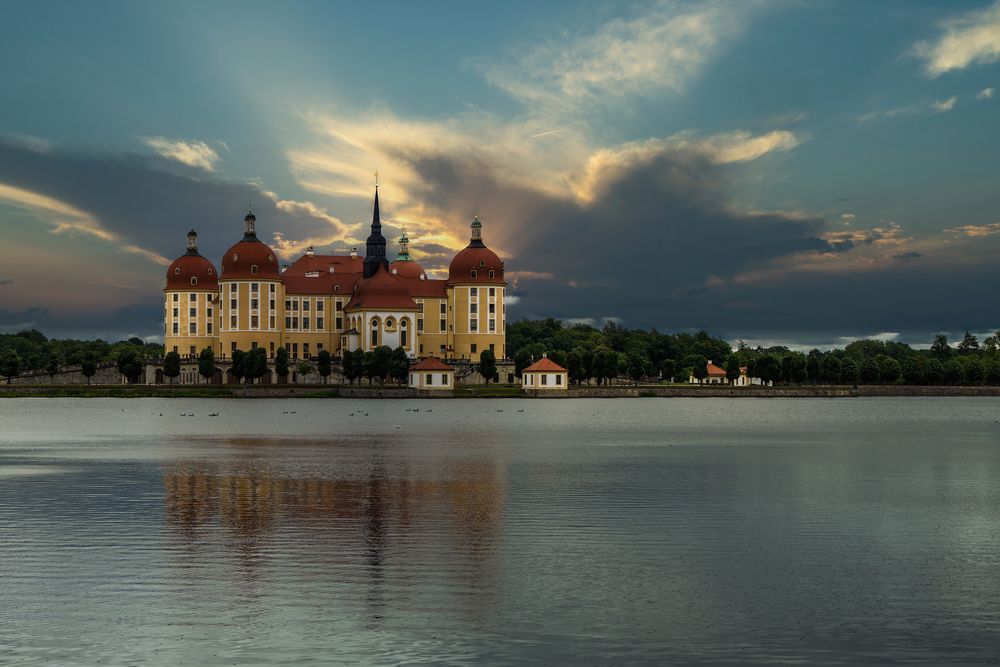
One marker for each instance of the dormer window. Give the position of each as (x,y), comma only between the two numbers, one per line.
(336,288)
(210,272)
(236,257)
(194,280)
(473,273)
(253,269)
(491,273)
(177,271)
(482,263)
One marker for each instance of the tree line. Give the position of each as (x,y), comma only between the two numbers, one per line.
(614,353)
(30,351)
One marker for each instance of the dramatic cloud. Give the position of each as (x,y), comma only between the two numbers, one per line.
(925,107)
(970,39)
(985,94)
(660,48)
(192,153)
(975,230)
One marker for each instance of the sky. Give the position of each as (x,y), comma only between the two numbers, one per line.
(782,171)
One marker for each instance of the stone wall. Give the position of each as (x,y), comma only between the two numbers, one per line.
(106,374)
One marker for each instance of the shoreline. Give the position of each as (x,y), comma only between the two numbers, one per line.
(482,391)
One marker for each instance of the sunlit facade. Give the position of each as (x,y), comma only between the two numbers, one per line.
(336,302)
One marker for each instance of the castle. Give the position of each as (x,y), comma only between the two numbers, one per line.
(335,302)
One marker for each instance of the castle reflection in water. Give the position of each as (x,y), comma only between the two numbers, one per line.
(374,521)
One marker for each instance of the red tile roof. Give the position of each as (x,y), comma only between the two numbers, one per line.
(189,266)
(238,261)
(545,365)
(325,283)
(431,364)
(714,370)
(381,292)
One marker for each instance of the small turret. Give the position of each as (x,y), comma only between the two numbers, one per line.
(250,230)
(404,247)
(192,248)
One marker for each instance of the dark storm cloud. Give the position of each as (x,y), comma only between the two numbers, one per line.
(149,201)
(658,245)
(142,320)
(4,281)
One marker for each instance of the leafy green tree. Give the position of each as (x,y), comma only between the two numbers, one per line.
(487,365)
(732,368)
(381,363)
(969,344)
(830,369)
(574,365)
(849,372)
(206,363)
(172,365)
(521,361)
(700,371)
(869,371)
(940,348)
(934,372)
(558,357)
(953,371)
(52,365)
(324,365)
(991,372)
(400,366)
(669,369)
(130,364)
(912,370)
(304,368)
(354,364)
(606,365)
(238,369)
(889,371)
(974,372)
(10,364)
(813,365)
(281,363)
(768,368)
(368,365)
(88,368)
(636,366)
(255,364)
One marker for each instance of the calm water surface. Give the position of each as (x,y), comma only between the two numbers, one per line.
(597,532)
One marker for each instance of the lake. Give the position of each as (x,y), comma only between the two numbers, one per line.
(593,532)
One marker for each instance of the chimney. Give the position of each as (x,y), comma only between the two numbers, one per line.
(331,268)
(354,252)
(284,267)
(309,251)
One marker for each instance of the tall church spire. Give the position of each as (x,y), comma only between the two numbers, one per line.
(375,245)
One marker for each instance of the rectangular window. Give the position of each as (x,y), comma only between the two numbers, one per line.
(295,305)
(473,325)
(254,304)
(492,347)
(176,328)
(305,323)
(305,350)
(272,321)
(288,304)
(208,328)
(254,287)
(295,350)
(272,346)
(305,305)
(319,323)
(442,350)
(295,323)
(176,297)
(232,346)
(271,304)
(192,297)
(444,325)
(493,291)
(288,322)
(319,347)
(340,305)
(558,379)
(473,307)
(232,321)
(444,308)
(493,308)
(545,378)
(428,379)
(192,312)
(232,288)
(493,325)
(474,348)
(253,345)
(193,328)
(420,324)
(319,305)
(254,322)
(444,379)
(232,304)
(340,323)
(191,351)
(175,312)
(208,313)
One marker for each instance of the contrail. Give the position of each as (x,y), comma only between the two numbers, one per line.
(544,134)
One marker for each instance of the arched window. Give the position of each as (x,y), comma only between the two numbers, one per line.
(194,280)
(374,336)
(482,263)
(491,273)
(388,323)
(253,269)
(402,333)
(336,288)
(473,273)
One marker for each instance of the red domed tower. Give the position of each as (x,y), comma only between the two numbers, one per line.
(252,295)
(476,288)
(190,296)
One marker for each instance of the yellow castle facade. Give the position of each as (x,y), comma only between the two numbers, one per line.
(335,302)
